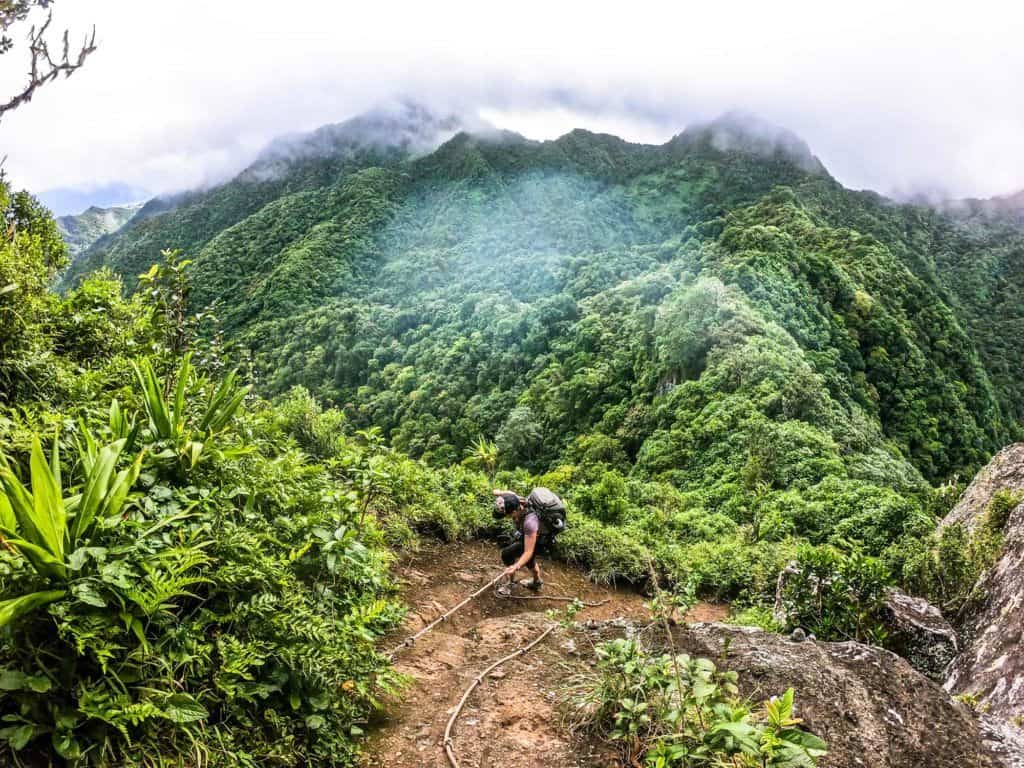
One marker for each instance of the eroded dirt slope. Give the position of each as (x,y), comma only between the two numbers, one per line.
(512,719)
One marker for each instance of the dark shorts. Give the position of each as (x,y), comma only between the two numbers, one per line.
(515,550)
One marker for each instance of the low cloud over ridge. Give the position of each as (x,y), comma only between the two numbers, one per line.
(901,99)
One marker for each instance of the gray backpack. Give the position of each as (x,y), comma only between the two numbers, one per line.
(550,510)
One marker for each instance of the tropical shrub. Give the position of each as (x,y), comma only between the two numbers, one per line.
(836,596)
(945,565)
(168,603)
(664,711)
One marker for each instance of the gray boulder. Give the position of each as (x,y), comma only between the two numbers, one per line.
(919,633)
(1004,472)
(991,664)
(870,705)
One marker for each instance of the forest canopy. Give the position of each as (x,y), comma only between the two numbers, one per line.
(721,358)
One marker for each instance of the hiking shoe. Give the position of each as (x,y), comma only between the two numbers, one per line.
(534,585)
(503,590)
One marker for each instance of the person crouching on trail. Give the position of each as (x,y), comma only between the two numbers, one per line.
(526,545)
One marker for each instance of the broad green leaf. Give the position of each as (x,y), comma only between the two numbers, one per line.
(48,503)
(121,487)
(194,453)
(18,736)
(808,741)
(87,593)
(224,417)
(153,399)
(119,574)
(39,683)
(22,506)
(87,448)
(65,745)
(97,485)
(12,680)
(18,606)
(702,689)
(7,520)
(78,558)
(744,733)
(182,708)
(44,563)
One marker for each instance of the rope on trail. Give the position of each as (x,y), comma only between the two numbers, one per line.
(449,748)
(558,598)
(443,617)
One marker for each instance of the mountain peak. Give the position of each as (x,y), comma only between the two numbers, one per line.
(740,131)
(403,125)
(82,230)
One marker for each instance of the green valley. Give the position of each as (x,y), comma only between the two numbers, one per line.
(722,358)
(716,316)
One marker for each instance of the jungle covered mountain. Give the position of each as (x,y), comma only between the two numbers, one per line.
(717,314)
(289,165)
(83,229)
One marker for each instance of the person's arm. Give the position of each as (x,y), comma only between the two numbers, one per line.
(529,545)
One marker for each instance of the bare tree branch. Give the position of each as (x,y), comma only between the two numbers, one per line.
(44,67)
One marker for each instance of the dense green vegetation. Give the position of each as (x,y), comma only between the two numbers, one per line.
(945,565)
(716,352)
(666,710)
(721,358)
(188,575)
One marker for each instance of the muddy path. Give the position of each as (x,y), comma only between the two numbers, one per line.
(513,719)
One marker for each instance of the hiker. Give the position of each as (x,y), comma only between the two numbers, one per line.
(538,519)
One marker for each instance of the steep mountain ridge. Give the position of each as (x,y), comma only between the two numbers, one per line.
(81,230)
(289,165)
(358,261)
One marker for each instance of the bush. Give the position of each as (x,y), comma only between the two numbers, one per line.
(836,596)
(946,565)
(663,711)
(690,525)
(319,432)
(191,589)
(609,554)
(759,616)
(729,569)
(607,499)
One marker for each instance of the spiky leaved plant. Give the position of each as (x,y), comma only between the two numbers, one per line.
(45,526)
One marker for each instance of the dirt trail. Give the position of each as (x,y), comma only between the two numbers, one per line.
(512,719)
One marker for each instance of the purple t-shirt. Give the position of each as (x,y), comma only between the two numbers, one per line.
(530,524)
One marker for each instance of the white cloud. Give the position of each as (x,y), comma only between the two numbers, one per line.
(889,95)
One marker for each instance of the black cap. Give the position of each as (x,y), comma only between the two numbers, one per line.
(511,504)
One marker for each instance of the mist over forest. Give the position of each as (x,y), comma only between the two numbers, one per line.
(319,373)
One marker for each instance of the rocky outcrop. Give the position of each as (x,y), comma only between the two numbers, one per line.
(1003,740)
(991,665)
(870,705)
(1004,472)
(919,633)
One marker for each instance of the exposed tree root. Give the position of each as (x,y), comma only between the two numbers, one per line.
(449,748)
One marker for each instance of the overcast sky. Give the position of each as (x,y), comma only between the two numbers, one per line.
(898,97)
